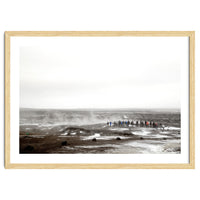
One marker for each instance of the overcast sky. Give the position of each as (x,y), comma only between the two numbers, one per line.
(101,72)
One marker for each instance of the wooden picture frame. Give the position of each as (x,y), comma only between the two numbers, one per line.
(189,34)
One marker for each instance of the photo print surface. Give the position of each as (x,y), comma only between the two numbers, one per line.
(100,95)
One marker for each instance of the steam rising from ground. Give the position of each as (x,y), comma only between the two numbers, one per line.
(86,131)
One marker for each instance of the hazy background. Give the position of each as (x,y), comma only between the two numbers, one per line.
(101,72)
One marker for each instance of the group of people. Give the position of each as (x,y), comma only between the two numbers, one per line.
(137,122)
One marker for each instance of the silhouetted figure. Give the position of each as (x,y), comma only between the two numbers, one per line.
(142,123)
(155,124)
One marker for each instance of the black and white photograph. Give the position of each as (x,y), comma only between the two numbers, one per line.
(101,95)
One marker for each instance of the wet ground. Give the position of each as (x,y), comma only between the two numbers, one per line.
(99,138)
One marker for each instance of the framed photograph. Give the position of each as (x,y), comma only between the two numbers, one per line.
(99,99)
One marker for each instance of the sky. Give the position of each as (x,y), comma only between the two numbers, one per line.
(101,72)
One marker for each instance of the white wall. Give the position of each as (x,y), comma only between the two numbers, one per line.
(100,15)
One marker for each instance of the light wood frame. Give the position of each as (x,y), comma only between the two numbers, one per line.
(190,34)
